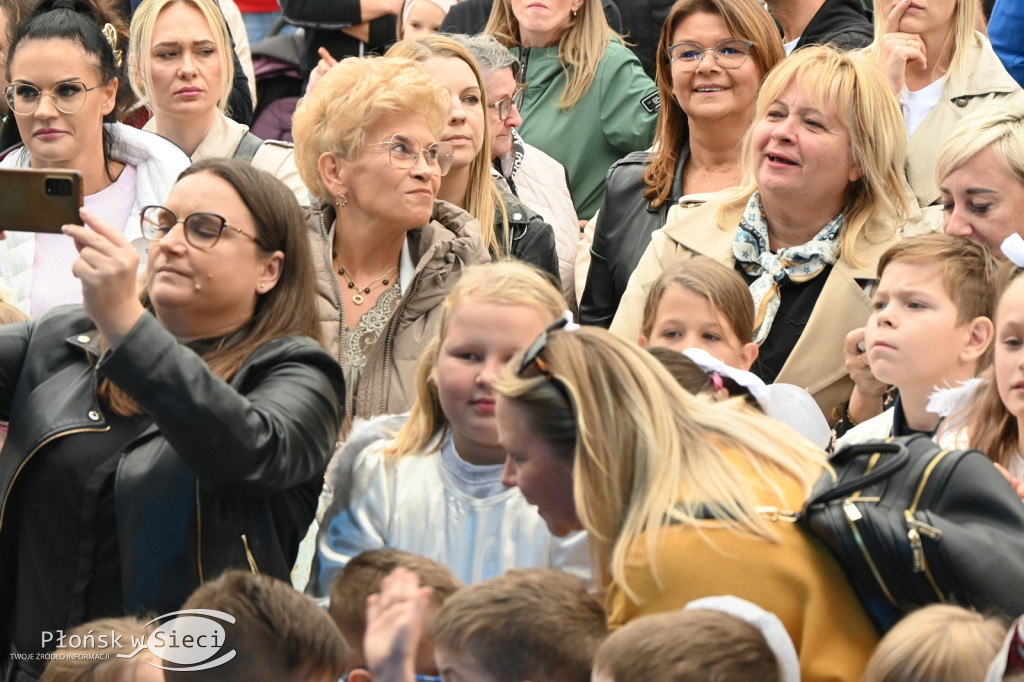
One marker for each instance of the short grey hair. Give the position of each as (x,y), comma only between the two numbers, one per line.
(489,54)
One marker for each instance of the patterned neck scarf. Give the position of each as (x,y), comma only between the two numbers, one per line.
(796,263)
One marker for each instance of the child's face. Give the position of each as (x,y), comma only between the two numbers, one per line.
(684,319)
(1009,350)
(912,337)
(481,338)
(455,667)
(424,19)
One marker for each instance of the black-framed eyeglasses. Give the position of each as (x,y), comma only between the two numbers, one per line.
(403,152)
(730,54)
(68,97)
(202,230)
(504,105)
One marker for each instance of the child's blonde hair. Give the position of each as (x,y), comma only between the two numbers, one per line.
(507,282)
(722,286)
(938,642)
(96,659)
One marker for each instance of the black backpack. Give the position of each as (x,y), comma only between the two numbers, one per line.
(912,524)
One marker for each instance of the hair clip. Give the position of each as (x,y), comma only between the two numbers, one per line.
(570,326)
(110,33)
(716,381)
(1013,248)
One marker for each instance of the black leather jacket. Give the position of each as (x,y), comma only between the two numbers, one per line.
(621,235)
(219,460)
(533,239)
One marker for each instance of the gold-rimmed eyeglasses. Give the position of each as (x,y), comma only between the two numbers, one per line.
(68,97)
(403,152)
(730,54)
(202,229)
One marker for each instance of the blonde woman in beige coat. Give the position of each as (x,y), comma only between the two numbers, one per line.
(941,69)
(823,198)
(180,66)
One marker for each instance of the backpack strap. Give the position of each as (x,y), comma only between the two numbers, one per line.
(247,147)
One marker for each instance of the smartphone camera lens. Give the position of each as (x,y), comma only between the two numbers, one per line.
(58,187)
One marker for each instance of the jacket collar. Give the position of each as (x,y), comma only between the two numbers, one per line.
(986,74)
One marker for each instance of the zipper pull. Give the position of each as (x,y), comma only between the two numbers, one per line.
(852,513)
(916,549)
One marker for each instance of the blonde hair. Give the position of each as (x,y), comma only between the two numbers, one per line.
(580,48)
(745,20)
(722,286)
(483,201)
(954,49)
(506,282)
(999,126)
(644,452)
(140,48)
(854,90)
(351,97)
(937,642)
(96,660)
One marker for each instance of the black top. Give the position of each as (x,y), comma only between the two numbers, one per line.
(843,23)
(796,302)
(470,16)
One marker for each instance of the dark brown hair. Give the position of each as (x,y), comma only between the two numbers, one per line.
(289,308)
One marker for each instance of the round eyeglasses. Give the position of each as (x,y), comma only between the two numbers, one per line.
(403,152)
(730,54)
(202,230)
(505,104)
(68,97)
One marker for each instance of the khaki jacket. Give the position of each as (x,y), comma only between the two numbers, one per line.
(816,363)
(277,158)
(985,80)
(440,251)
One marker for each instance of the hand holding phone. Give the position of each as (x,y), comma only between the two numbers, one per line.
(39,199)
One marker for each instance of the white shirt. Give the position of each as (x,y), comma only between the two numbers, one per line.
(918,104)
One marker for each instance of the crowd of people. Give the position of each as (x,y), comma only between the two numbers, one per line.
(516,364)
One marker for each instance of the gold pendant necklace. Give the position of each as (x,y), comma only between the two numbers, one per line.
(357,296)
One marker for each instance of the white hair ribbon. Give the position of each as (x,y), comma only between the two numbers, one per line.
(1013,248)
(747,380)
(570,326)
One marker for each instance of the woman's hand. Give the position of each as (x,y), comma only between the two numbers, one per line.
(897,50)
(868,392)
(322,67)
(394,625)
(108,266)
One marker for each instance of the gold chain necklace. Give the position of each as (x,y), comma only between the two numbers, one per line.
(357,297)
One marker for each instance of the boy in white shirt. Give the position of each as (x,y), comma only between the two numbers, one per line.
(930,329)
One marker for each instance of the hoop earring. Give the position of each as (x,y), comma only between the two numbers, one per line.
(341,201)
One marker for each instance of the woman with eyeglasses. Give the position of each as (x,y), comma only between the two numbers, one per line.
(510,229)
(823,197)
(711,59)
(587,101)
(159,437)
(680,496)
(64,65)
(386,253)
(181,69)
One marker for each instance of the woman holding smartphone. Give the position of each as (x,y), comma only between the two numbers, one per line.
(63,64)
